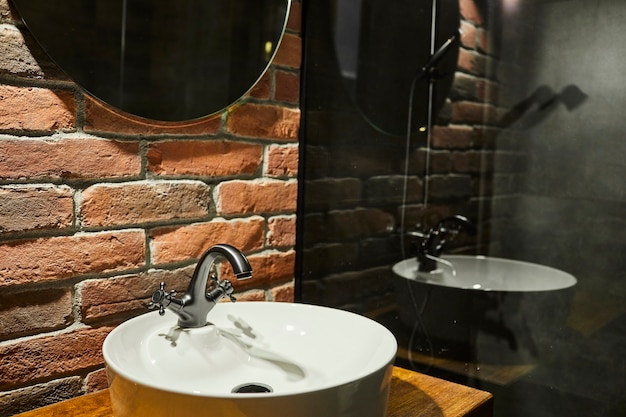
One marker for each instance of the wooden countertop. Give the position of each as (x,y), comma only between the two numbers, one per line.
(412,395)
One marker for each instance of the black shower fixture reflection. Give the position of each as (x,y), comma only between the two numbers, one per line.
(434,240)
(540,104)
(378,65)
(430,70)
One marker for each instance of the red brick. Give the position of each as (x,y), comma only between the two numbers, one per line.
(450,187)
(487,137)
(175,244)
(331,258)
(474,113)
(281,231)
(468,37)
(289,53)
(56,258)
(284,293)
(100,117)
(452,137)
(125,296)
(358,284)
(470,12)
(287,87)
(464,87)
(263,88)
(264,121)
(7,12)
(40,395)
(389,189)
(143,202)
(51,357)
(473,63)
(282,161)
(268,269)
(294,23)
(256,196)
(484,41)
(465,61)
(204,158)
(35,207)
(252,295)
(21,54)
(36,109)
(17,59)
(37,311)
(359,223)
(68,158)
(439,161)
(332,192)
(96,381)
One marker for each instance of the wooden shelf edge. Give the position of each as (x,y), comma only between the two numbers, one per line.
(412,394)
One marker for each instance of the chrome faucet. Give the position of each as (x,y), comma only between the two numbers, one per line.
(434,241)
(192,308)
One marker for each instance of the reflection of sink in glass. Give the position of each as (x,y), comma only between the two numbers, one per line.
(483,308)
(254,359)
(488,274)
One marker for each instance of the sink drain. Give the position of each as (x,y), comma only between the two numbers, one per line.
(252,388)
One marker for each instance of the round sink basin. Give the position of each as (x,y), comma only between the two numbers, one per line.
(253,359)
(488,274)
(486,309)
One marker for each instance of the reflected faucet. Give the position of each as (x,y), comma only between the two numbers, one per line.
(436,238)
(192,308)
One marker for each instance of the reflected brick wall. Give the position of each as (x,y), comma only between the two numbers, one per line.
(355,185)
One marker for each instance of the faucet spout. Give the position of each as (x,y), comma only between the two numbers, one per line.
(192,308)
(435,240)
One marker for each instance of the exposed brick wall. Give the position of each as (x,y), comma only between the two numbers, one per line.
(97,208)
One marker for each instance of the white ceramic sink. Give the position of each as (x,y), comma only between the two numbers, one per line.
(298,360)
(488,274)
(485,309)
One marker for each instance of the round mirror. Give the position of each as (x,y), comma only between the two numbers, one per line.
(381,46)
(160,59)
